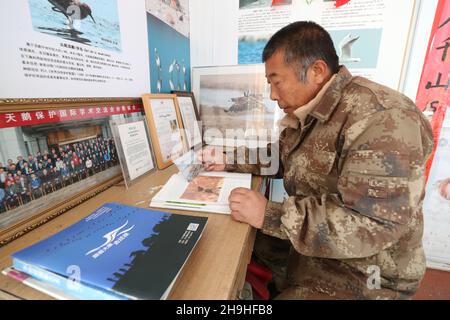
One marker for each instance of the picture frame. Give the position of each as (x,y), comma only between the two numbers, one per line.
(235,105)
(63,155)
(190,118)
(134,150)
(165,126)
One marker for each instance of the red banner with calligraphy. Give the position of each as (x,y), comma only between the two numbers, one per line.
(28,118)
(432,96)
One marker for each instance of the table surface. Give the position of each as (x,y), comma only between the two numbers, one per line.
(215,270)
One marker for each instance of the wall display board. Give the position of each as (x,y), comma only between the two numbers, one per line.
(173,13)
(54,154)
(133,148)
(235,105)
(64,49)
(168,38)
(371,38)
(165,126)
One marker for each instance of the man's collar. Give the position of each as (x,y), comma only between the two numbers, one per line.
(288,121)
(332,95)
(302,112)
(323,104)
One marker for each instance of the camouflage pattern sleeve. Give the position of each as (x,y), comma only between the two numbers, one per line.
(272,221)
(257,161)
(236,164)
(379,193)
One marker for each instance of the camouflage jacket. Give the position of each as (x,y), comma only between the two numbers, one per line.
(354,173)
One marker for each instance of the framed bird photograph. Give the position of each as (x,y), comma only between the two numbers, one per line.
(166,127)
(235,105)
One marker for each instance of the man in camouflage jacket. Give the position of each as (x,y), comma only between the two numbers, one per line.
(352,158)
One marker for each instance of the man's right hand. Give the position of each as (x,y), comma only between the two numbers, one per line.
(212,158)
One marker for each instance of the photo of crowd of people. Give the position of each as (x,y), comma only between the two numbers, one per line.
(30,177)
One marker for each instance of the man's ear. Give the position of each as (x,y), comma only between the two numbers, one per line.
(320,72)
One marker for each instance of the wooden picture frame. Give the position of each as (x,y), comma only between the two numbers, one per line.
(61,129)
(236,99)
(192,127)
(164,119)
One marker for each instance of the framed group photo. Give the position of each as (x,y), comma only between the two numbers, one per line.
(54,154)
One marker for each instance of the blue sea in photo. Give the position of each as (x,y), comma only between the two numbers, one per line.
(104,33)
(250,52)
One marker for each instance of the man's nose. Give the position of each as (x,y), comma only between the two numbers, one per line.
(273,95)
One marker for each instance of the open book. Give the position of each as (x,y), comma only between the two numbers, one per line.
(209,191)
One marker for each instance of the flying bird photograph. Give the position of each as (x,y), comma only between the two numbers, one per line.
(357,48)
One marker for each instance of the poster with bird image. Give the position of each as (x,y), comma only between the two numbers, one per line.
(95,23)
(73,48)
(372,38)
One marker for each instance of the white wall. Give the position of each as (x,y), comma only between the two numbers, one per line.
(213,21)
(427,10)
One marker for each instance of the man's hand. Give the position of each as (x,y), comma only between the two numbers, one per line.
(248,206)
(212,159)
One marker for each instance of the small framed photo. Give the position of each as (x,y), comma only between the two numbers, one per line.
(133,146)
(190,118)
(165,126)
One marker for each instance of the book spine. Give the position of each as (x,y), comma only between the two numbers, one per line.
(77,290)
(34,283)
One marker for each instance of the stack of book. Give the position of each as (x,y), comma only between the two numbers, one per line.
(117,252)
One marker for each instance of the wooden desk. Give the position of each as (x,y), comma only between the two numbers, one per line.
(216,269)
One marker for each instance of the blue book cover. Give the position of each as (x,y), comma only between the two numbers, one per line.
(131,251)
(61,289)
(70,286)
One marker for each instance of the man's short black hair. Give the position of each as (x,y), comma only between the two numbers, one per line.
(303,43)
